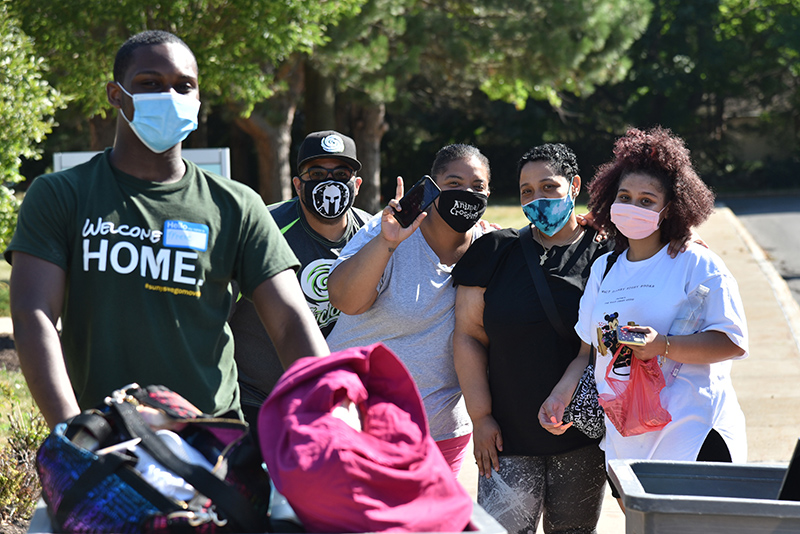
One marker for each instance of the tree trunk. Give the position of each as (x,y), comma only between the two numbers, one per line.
(243,156)
(320,100)
(368,125)
(273,143)
(270,126)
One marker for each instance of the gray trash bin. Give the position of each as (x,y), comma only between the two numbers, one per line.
(480,522)
(703,497)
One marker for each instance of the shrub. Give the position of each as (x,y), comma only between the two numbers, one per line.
(19,481)
(9,207)
(27,106)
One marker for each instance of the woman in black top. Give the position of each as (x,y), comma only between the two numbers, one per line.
(508,355)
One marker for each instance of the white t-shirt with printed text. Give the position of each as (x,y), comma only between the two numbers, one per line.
(650,293)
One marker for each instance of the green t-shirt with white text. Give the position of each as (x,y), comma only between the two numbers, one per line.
(148,275)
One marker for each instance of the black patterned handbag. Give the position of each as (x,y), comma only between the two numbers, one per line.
(584,410)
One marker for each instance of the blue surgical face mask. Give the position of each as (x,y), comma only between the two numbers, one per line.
(550,215)
(162,120)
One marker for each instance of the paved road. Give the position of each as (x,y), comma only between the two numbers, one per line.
(774,222)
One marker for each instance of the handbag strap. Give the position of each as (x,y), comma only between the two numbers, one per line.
(237,509)
(540,282)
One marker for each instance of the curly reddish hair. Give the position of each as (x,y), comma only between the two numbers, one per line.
(664,156)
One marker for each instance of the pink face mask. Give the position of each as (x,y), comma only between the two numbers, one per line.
(635,222)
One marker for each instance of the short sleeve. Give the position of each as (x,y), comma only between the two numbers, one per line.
(723,310)
(263,251)
(42,224)
(364,235)
(478,265)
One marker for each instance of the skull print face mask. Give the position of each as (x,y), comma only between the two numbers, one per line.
(329,199)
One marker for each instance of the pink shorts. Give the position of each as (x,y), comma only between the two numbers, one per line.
(454,450)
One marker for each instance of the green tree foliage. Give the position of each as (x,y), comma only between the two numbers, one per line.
(512,49)
(761,85)
(246,52)
(239,44)
(419,55)
(531,53)
(720,73)
(537,49)
(27,105)
(365,53)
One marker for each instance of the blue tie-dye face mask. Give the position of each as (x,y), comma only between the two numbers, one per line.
(550,215)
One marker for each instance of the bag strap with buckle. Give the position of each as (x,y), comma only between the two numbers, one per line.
(236,507)
(121,465)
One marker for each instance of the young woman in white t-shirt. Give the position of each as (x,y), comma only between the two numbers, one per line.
(646,196)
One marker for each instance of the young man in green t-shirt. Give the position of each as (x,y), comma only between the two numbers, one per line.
(134,251)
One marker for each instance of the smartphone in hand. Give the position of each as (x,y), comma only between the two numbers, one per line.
(626,337)
(419,197)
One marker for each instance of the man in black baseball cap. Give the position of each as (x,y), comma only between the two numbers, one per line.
(326,183)
(317,224)
(328,143)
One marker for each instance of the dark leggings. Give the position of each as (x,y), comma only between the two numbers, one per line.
(714,449)
(565,489)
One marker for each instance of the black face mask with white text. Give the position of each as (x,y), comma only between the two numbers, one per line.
(461,209)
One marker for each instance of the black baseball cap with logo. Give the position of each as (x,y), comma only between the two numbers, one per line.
(328,144)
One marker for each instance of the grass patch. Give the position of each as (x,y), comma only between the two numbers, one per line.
(15,397)
(508,214)
(5,310)
(22,430)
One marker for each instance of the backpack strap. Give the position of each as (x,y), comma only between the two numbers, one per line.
(235,507)
(104,466)
(612,259)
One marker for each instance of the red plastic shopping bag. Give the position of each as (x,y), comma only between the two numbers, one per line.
(635,408)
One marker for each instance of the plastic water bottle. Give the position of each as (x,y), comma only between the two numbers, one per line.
(688,321)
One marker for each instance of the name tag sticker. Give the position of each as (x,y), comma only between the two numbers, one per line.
(181,234)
